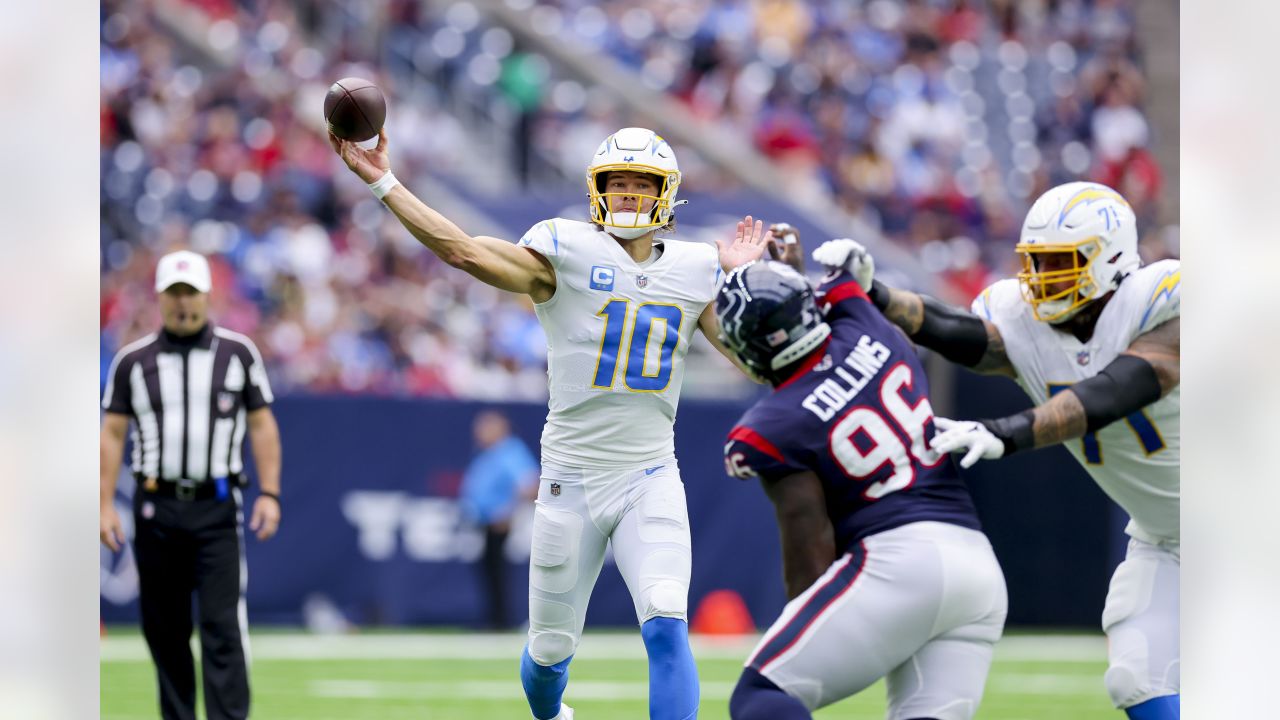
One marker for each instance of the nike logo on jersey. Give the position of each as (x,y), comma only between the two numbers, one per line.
(654,469)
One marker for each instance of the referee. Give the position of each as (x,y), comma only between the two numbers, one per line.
(192,390)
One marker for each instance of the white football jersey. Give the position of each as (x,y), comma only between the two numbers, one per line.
(1134,460)
(617,336)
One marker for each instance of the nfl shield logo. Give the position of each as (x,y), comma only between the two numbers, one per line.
(226,401)
(642,281)
(1082,357)
(555,488)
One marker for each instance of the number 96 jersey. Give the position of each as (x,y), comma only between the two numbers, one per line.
(617,335)
(1136,461)
(857,413)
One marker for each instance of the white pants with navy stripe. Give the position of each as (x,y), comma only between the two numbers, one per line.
(921,605)
(1141,622)
(641,513)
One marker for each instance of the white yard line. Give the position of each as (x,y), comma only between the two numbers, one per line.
(1039,684)
(491,690)
(607,646)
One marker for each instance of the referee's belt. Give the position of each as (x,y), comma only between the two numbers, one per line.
(188,489)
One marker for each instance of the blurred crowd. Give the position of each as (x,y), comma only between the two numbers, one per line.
(932,122)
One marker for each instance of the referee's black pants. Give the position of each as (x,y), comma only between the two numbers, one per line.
(184,547)
(494,563)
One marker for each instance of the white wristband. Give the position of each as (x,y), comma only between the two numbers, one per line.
(383,185)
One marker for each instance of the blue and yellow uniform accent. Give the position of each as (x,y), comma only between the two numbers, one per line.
(1088,195)
(616,329)
(551,229)
(1166,288)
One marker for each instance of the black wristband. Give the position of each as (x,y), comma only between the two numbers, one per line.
(273,496)
(1015,431)
(879,295)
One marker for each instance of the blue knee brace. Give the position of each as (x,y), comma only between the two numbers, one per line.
(543,685)
(1165,707)
(757,698)
(673,677)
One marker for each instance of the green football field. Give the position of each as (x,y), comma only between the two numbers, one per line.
(461,676)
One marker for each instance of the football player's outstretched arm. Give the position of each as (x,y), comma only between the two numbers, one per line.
(1145,372)
(808,540)
(710,326)
(494,261)
(955,333)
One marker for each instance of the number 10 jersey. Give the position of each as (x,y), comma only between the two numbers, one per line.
(617,335)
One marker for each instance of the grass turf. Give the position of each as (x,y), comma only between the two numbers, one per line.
(447,676)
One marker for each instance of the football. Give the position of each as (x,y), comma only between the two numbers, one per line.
(354,109)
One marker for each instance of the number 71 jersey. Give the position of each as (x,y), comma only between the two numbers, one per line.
(617,335)
(1136,461)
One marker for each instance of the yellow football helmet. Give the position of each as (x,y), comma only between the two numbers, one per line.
(636,150)
(1078,242)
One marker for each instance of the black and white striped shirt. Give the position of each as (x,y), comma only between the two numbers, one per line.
(188,397)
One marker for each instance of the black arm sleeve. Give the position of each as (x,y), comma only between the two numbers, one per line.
(1124,387)
(956,334)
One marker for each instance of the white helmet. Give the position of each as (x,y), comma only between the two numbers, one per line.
(1097,227)
(635,150)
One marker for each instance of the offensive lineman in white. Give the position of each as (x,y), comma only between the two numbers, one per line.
(1094,339)
(619,308)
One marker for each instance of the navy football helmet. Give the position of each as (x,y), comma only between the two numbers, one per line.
(768,317)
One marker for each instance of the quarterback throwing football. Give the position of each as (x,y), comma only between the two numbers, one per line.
(619,308)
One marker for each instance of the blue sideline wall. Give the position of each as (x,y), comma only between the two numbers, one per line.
(371,524)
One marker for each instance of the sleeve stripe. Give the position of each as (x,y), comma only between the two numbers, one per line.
(985,300)
(1167,286)
(757,441)
(109,393)
(844,291)
(260,379)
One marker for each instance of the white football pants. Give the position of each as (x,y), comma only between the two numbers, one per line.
(641,512)
(1141,623)
(921,605)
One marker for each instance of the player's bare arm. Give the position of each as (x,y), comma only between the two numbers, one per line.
(1162,349)
(710,326)
(264,438)
(808,540)
(955,333)
(494,261)
(110,452)
(1142,374)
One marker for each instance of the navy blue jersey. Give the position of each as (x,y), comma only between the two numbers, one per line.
(857,413)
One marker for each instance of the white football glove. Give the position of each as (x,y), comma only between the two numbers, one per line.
(968,435)
(846,254)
